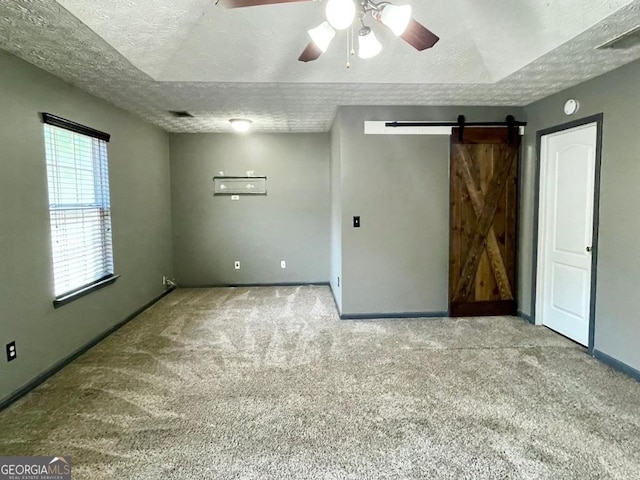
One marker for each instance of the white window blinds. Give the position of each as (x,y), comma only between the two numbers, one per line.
(79,208)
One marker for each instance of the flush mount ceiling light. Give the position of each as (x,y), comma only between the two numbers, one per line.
(240,125)
(341,14)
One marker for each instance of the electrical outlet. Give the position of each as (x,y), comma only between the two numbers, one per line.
(11,351)
(235,197)
(164,281)
(283,264)
(236,265)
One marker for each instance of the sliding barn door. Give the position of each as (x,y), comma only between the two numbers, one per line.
(483,190)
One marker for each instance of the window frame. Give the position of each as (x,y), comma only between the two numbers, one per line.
(70,296)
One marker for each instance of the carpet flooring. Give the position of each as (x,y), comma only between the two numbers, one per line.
(268,383)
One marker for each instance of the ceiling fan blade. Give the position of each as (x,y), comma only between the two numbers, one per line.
(252,3)
(310,53)
(418,36)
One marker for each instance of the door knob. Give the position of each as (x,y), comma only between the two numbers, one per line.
(588,249)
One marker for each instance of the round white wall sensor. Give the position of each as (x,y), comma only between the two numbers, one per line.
(571,106)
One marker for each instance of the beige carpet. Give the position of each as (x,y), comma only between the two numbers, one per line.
(268,383)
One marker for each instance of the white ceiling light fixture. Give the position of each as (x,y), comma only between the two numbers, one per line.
(368,44)
(240,125)
(340,13)
(322,35)
(397,18)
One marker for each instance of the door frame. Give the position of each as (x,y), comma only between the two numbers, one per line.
(598,120)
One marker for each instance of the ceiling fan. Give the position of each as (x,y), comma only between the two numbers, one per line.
(341,15)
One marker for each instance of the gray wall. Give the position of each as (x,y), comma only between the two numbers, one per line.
(397,261)
(617,303)
(141,221)
(292,222)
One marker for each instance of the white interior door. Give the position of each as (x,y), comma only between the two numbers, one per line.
(567,175)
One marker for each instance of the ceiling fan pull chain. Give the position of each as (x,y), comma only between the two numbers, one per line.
(352,50)
(348,59)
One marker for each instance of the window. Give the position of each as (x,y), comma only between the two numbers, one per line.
(79,208)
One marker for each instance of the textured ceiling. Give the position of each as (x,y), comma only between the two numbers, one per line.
(152,56)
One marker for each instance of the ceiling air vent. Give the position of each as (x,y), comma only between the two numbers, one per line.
(626,40)
(180,113)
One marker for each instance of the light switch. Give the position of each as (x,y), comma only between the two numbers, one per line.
(356,222)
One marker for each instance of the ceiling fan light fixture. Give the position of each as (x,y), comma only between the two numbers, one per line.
(396,18)
(240,125)
(368,44)
(322,35)
(340,13)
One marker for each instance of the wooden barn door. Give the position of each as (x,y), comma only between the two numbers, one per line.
(483,194)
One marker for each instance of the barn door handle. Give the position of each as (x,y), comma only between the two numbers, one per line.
(589,249)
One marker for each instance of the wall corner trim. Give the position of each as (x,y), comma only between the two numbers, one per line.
(526,317)
(335,300)
(617,365)
(4,403)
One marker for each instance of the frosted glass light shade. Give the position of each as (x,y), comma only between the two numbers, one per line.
(340,13)
(322,35)
(396,18)
(368,44)
(240,124)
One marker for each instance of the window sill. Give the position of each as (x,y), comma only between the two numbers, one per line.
(92,287)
